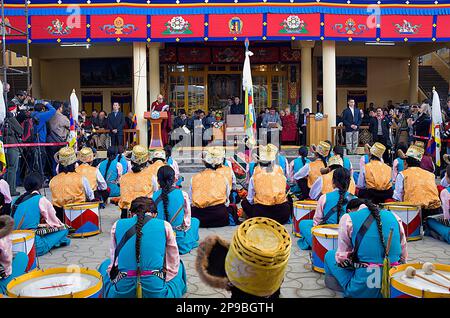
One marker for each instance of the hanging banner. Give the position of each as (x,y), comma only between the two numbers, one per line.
(194,55)
(407,26)
(442,26)
(235,25)
(58,27)
(349,26)
(177,26)
(289,25)
(118,26)
(17,22)
(289,55)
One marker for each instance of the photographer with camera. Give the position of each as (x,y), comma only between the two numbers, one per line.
(43,112)
(12,132)
(58,131)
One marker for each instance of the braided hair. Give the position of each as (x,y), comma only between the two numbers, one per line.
(120,152)
(376,215)
(324,159)
(67,169)
(210,166)
(135,167)
(303,153)
(111,154)
(140,206)
(341,181)
(411,162)
(166,179)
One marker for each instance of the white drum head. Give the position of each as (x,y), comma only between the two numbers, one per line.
(55,285)
(421,284)
(326,231)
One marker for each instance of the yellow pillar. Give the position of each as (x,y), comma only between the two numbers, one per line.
(36,78)
(140,89)
(153,72)
(329,83)
(413,79)
(306,75)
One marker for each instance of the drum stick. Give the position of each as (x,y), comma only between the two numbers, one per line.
(411,273)
(429,268)
(388,247)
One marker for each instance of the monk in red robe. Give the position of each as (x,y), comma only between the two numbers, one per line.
(160,105)
(289,132)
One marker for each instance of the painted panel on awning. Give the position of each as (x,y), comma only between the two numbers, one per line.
(349,26)
(16,22)
(443,26)
(192,55)
(118,26)
(58,27)
(239,25)
(290,25)
(409,26)
(228,55)
(177,26)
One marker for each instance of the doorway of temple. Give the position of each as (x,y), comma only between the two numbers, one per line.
(221,87)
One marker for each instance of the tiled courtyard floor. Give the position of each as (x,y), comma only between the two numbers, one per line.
(300,280)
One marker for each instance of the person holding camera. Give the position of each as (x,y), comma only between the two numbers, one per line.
(43,112)
(12,132)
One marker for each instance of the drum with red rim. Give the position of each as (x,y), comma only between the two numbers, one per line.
(83,217)
(24,241)
(324,239)
(303,210)
(411,217)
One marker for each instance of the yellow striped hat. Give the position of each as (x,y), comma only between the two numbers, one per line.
(258,255)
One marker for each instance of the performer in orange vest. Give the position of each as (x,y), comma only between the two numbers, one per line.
(68,186)
(267,189)
(416,185)
(324,184)
(95,178)
(310,172)
(210,192)
(157,160)
(375,177)
(137,182)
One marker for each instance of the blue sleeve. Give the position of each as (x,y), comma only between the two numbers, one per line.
(46,116)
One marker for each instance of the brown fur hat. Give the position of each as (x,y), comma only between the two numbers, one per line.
(210,262)
(6,225)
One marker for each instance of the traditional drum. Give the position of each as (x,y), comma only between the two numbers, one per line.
(23,241)
(83,217)
(424,283)
(61,282)
(411,218)
(324,239)
(303,210)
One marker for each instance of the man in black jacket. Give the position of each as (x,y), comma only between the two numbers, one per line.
(351,118)
(12,132)
(379,128)
(301,125)
(116,122)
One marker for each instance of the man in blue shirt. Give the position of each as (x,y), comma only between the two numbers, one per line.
(40,117)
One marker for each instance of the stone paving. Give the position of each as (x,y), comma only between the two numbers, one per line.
(300,280)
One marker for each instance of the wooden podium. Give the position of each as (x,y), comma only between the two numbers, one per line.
(316,130)
(156,136)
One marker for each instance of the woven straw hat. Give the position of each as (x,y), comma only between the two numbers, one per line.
(258,255)
(323,148)
(66,156)
(214,155)
(335,160)
(139,155)
(419,144)
(158,154)
(86,155)
(377,149)
(267,153)
(413,151)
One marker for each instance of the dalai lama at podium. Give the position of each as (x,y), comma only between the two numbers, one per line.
(160,105)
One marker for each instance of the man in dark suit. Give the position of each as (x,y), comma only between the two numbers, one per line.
(237,108)
(379,128)
(351,118)
(301,125)
(116,122)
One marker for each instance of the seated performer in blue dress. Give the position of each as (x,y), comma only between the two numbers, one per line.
(145,262)
(32,211)
(111,169)
(10,266)
(174,206)
(438,226)
(330,207)
(357,264)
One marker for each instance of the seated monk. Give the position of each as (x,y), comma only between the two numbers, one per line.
(267,189)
